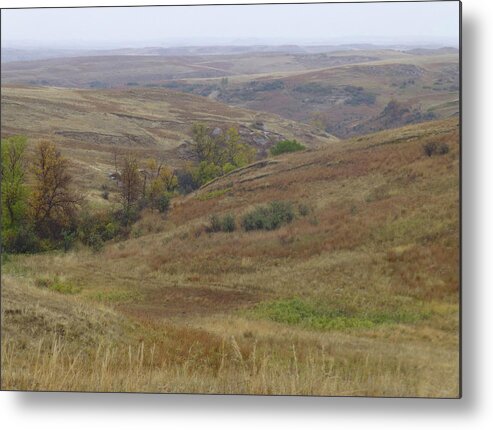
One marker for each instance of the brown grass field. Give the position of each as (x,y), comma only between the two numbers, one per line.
(358,296)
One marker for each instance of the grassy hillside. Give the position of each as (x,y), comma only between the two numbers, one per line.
(358,295)
(340,98)
(335,90)
(119,68)
(90,125)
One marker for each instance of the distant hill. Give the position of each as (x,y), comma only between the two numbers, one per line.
(10,54)
(336,90)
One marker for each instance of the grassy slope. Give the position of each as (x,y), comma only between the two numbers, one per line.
(386,75)
(382,72)
(378,253)
(117,70)
(433,77)
(90,124)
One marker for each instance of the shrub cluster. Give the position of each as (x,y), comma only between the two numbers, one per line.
(432,148)
(217,152)
(226,224)
(358,96)
(315,88)
(286,146)
(268,217)
(95,228)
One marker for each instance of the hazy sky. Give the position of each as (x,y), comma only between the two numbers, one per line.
(420,22)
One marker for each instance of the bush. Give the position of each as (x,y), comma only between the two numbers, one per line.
(358,96)
(162,203)
(228,167)
(111,230)
(226,224)
(315,88)
(442,149)
(187,181)
(286,146)
(432,148)
(215,224)
(95,241)
(429,148)
(268,217)
(97,227)
(68,239)
(22,239)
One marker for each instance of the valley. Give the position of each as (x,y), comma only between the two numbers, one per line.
(319,256)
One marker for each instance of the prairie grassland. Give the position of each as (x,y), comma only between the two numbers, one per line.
(51,343)
(90,125)
(357,296)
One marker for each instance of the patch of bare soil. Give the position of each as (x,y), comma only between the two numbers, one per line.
(175,302)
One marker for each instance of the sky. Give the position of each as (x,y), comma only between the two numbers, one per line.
(378,23)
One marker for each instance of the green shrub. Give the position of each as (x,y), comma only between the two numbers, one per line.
(68,239)
(214,224)
(111,230)
(95,241)
(188,181)
(21,239)
(268,217)
(162,203)
(316,89)
(432,148)
(228,223)
(94,228)
(286,146)
(442,149)
(228,167)
(358,96)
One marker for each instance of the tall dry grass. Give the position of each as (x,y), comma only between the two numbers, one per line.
(52,366)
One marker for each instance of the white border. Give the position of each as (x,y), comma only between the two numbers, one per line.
(474,411)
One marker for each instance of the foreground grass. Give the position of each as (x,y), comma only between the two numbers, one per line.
(55,343)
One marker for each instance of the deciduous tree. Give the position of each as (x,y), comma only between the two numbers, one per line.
(131,181)
(53,202)
(14,191)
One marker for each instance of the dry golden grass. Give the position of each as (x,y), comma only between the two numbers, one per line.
(228,356)
(192,311)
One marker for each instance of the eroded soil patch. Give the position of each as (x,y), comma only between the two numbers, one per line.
(173,302)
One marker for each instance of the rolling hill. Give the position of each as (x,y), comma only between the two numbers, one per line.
(91,124)
(338,91)
(357,295)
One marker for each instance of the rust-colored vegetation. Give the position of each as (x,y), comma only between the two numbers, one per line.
(357,295)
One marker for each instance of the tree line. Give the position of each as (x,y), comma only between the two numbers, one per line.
(42,210)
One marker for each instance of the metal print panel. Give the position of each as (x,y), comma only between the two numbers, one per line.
(236,199)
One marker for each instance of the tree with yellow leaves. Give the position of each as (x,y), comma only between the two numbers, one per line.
(131,181)
(162,182)
(53,201)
